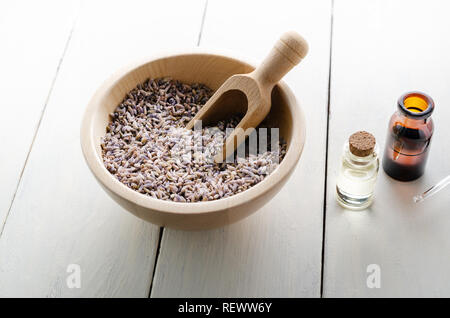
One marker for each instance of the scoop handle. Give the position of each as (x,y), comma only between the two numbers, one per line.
(287,52)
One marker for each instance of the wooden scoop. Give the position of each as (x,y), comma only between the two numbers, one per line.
(251,92)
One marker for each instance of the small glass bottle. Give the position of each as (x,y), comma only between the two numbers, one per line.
(358,171)
(409,136)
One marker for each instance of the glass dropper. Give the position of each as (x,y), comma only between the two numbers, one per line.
(433,190)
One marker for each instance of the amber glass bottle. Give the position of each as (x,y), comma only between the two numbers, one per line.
(409,136)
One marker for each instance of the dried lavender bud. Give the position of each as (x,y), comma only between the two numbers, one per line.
(146,148)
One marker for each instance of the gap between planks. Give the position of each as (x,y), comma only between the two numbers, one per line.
(326,155)
(38,125)
(161,229)
(202,23)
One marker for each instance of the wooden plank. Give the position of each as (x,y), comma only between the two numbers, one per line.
(382,49)
(29,56)
(277,251)
(60,215)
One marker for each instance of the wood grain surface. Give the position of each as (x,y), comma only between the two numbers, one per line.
(386,55)
(30,54)
(55,214)
(277,251)
(60,215)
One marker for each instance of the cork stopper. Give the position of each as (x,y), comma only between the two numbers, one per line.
(361,143)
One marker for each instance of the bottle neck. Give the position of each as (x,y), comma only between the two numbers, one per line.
(407,121)
(416,107)
(360,161)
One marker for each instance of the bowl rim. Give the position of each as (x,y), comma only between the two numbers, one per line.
(109,182)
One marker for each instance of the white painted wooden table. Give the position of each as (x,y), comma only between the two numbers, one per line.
(364,54)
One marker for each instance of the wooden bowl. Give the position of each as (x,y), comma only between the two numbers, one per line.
(211,70)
